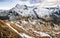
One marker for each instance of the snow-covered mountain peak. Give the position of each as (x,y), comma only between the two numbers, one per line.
(20,6)
(34,11)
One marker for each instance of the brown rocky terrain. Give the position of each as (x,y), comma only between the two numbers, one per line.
(29,29)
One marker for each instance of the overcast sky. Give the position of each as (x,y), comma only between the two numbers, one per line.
(8,4)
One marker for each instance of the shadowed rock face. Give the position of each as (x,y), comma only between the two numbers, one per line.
(4,17)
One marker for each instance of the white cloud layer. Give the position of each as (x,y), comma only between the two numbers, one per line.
(49,3)
(41,3)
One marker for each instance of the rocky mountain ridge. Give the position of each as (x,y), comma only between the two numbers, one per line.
(32,11)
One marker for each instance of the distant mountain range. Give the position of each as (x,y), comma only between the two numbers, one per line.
(31,11)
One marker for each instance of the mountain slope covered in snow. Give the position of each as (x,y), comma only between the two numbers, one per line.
(36,12)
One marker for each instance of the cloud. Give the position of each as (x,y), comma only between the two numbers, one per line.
(36,1)
(23,0)
(7,4)
(5,8)
(33,1)
(49,3)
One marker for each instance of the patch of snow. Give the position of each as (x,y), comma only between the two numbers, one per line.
(12,22)
(33,22)
(25,35)
(17,22)
(57,32)
(43,34)
(42,12)
(24,22)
